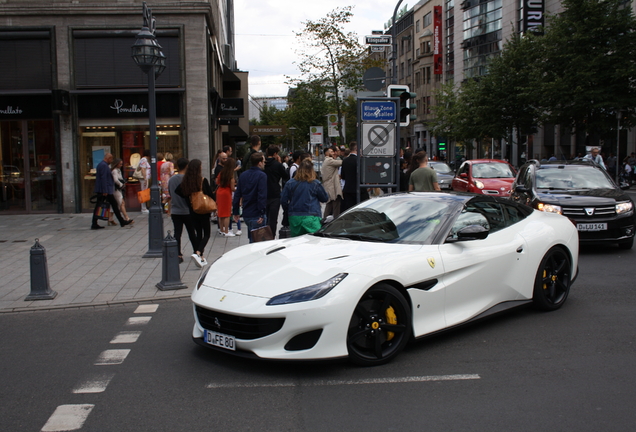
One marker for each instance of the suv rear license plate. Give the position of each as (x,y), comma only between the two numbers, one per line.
(220,340)
(591,226)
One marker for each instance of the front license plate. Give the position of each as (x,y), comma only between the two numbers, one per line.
(444,186)
(591,227)
(220,340)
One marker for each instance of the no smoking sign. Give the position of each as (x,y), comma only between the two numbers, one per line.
(378,139)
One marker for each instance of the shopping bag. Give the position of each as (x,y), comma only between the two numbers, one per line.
(263,233)
(143,196)
(102,211)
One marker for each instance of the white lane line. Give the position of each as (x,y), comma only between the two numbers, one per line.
(412,379)
(126,337)
(96,384)
(68,418)
(138,320)
(147,308)
(112,357)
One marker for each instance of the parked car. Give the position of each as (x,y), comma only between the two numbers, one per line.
(582,191)
(444,174)
(392,268)
(485,176)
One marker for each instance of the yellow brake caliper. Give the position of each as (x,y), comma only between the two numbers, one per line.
(391,318)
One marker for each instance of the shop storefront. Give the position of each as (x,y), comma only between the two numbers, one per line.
(28,156)
(117,123)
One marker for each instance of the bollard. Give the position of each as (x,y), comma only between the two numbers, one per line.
(170,274)
(40,288)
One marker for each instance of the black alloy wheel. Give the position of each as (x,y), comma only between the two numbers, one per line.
(380,326)
(554,277)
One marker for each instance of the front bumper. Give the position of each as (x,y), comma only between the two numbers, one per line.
(329,317)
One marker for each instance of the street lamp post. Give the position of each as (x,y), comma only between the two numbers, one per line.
(147,54)
(292,129)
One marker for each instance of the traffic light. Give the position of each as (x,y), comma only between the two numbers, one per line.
(441,144)
(405,112)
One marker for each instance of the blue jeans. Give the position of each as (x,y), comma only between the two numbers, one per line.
(252,223)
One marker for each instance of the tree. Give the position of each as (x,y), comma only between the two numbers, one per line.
(587,66)
(331,57)
(308,105)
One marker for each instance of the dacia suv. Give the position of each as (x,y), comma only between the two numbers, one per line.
(582,191)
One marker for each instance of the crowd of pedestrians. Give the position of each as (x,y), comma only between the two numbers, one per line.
(253,189)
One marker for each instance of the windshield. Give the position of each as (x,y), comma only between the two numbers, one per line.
(572,178)
(441,168)
(492,170)
(393,219)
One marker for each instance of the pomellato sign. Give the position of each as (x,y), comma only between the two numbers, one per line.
(11,111)
(109,106)
(119,108)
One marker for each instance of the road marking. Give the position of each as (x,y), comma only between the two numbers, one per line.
(68,418)
(138,320)
(147,308)
(97,384)
(126,337)
(112,357)
(320,383)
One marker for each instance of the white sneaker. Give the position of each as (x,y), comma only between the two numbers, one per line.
(197,260)
(145,211)
(239,232)
(229,234)
(203,262)
(220,232)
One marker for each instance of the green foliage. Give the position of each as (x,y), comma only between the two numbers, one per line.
(331,57)
(308,106)
(579,74)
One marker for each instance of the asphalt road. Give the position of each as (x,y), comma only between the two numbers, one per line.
(568,370)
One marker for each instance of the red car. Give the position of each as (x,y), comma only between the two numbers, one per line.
(485,176)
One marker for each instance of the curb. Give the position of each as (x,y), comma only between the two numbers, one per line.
(147,300)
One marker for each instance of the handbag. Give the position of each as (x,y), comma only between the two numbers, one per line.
(138,174)
(201,203)
(102,211)
(263,233)
(143,196)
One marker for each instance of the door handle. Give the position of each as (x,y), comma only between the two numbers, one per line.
(520,249)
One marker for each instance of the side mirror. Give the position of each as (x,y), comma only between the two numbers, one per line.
(463,175)
(520,189)
(472,232)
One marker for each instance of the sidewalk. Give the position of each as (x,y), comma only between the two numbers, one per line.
(92,267)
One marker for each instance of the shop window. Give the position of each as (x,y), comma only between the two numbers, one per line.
(26,63)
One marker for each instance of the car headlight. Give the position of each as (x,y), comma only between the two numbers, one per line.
(479,184)
(549,208)
(624,207)
(204,273)
(312,292)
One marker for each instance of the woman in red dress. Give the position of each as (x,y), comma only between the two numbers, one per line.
(227,184)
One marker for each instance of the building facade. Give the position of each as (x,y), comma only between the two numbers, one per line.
(70,92)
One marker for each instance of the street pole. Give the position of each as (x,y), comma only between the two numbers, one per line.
(147,54)
(618,140)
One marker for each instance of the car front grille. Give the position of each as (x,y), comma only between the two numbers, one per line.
(590,213)
(238,326)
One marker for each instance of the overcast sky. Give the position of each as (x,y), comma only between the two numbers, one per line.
(265,40)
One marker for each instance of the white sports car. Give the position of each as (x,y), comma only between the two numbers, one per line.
(393,268)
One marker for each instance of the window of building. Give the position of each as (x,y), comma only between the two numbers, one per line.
(428,19)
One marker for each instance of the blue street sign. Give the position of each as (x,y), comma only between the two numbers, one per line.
(378,110)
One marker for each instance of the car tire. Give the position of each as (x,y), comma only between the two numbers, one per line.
(553,280)
(380,326)
(626,244)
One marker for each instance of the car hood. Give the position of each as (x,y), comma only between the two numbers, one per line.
(270,268)
(583,197)
(500,184)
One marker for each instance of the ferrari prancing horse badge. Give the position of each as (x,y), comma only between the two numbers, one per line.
(431,262)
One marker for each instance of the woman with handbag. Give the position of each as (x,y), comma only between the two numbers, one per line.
(196,190)
(226,185)
(301,198)
(118,179)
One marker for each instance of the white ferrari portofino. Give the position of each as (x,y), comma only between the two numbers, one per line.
(393,268)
